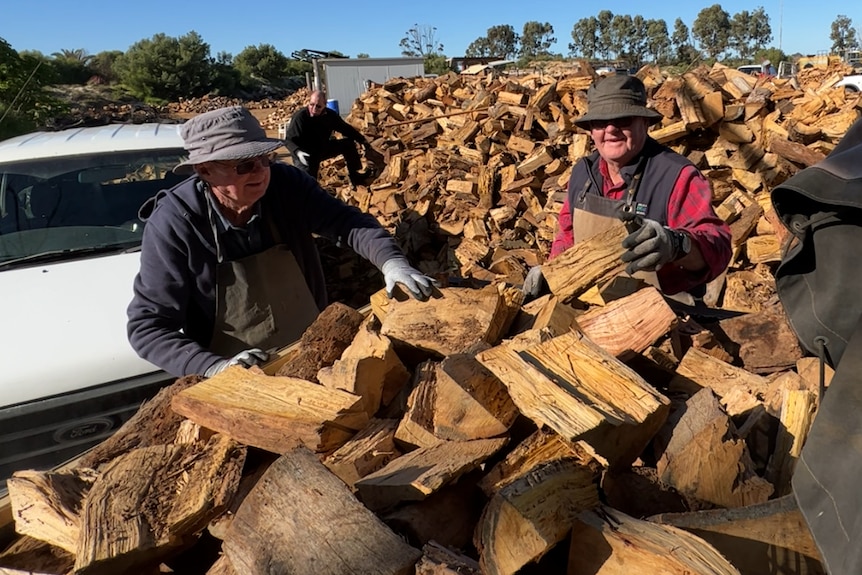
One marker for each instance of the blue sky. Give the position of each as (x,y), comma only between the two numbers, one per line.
(353,27)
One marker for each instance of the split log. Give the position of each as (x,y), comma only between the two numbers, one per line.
(608,542)
(530,515)
(299,503)
(699,370)
(273,412)
(797,414)
(591,261)
(28,556)
(580,391)
(418,474)
(766,341)
(726,477)
(453,322)
(770,537)
(369,450)
(438,560)
(630,324)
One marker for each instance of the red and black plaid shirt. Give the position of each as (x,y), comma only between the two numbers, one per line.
(690,209)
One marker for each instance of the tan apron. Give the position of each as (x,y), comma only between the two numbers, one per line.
(262,300)
(593,214)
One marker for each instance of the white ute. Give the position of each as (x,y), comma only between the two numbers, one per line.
(69,251)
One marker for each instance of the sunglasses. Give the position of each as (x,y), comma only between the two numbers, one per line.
(621,123)
(248,166)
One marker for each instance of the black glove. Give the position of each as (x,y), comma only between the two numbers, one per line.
(650,247)
(246,358)
(534,283)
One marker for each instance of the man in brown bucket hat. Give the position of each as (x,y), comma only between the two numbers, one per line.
(229,265)
(678,243)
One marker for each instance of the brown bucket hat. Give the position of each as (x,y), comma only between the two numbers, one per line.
(231,133)
(617,96)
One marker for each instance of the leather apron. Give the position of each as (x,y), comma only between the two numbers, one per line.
(262,300)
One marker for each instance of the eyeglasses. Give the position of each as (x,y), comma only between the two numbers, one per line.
(248,166)
(621,123)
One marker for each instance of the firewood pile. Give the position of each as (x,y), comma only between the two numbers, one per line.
(596,430)
(282,109)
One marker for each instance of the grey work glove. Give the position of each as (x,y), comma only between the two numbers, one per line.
(399,271)
(534,283)
(650,247)
(246,358)
(302,157)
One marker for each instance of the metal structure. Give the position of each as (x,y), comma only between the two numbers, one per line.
(348,78)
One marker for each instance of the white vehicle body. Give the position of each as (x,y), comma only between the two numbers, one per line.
(69,252)
(851,83)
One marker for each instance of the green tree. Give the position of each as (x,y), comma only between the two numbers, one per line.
(658,41)
(167,68)
(499,41)
(711,29)
(362,55)
(749,32)
(24,105)
(760,32)
(843,35)
(479,48)
(421,41)
(261,64)
(684,52)
(585,38)
(71,66)
(621,31)
(436,64)
(536,39)
(638,45)
(604,48)
(103,64)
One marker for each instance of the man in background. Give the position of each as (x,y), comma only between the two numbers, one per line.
(309,139)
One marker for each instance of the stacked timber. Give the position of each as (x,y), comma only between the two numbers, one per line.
(582,432)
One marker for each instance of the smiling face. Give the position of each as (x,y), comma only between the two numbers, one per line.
(619,141)
(234,187)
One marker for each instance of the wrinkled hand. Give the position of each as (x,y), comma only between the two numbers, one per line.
(399,271)
(302,157)
(649,247)
(246,358)
(534,283)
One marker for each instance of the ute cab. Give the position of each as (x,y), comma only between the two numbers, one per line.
(69,251)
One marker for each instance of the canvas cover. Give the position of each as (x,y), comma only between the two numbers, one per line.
(818,282)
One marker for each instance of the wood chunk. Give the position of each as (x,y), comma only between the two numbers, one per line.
(369,368)
(795,152)
(770,537)
(47,506)
(453,322)
(438,560)
(699,370)
(763,249)
(588,262)
(540,447)
(416,428)
(809,369)
(580,391)
(416,475)
(527,517)
(28,556)
(147,502)
(153,424)
(296,505)
(323,341)
(726,477)
(470,402)
(639,492)
(630,324)
(608,542)
(797,414)
(765,339)
(369,450)
(273,412)
(544,313)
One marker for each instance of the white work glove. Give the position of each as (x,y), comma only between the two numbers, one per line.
(246,358)
(534,283)
(399,271)
(303,157)
(650,247)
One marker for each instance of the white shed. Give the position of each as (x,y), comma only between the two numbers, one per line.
(346,78)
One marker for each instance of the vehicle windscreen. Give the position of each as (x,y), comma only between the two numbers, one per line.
(64,207)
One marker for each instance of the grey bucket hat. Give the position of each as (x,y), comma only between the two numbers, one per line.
(231,133)
(617,96)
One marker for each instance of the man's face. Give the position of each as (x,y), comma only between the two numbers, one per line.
(619,141)
(316,105)
(238,184)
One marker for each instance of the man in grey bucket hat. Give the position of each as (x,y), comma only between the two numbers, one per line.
(229,267)
(677,242)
